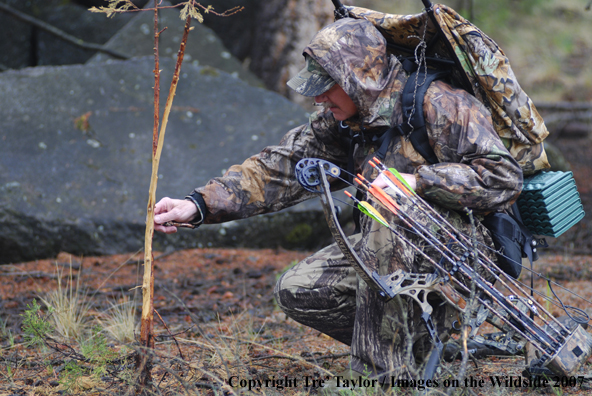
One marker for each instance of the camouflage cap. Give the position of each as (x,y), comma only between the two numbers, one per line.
(313,80)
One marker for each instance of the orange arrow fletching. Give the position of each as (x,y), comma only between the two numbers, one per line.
(383,198)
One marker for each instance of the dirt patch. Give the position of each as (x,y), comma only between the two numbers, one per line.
(218,304)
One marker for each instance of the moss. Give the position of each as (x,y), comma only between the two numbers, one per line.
(299,234)
(209,71)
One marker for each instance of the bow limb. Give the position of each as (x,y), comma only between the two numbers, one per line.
(417,286)
(372,279)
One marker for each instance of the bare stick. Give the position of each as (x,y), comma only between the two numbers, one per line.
(143,360)
(144,363)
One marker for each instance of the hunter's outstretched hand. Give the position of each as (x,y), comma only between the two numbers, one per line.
(167,209)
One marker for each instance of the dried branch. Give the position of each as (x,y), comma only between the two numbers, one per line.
(323,357)
(143,362)
(189,7)
(170,334)
(188,12)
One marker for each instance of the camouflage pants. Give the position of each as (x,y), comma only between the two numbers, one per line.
(324,292)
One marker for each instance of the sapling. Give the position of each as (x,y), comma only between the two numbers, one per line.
(189,10)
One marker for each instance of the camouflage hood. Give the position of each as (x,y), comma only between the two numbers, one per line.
(354,54)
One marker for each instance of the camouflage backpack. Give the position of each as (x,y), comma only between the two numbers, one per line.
(481,68)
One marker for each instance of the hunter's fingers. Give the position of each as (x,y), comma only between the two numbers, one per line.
(380,182)
(166,230)
(164,205)
(179,210)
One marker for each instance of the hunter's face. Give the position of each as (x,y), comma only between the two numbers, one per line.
(338,102)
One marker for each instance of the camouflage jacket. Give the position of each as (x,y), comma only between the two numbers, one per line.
(475,169)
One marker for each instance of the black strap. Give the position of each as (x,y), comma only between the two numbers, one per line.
(349,140)
(384,142)
(414,125)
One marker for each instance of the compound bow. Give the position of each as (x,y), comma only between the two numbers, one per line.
(562,349)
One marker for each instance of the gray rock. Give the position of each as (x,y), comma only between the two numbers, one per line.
(83,189)
(203,48)
(81,23)
(16,52)
(31,46)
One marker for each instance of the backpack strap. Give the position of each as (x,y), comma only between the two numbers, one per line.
(349,140)
(414,125)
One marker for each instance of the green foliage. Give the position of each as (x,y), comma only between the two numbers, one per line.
(95,349)
(98,357)
(491,16)
(76,374)
(299,234)
(35,327)
(71,375)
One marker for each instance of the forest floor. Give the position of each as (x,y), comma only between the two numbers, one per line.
(220,328)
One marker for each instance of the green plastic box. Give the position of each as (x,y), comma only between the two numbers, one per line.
(550,203)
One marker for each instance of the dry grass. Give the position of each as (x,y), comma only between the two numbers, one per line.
(68,307)
(119,322)
(253,341)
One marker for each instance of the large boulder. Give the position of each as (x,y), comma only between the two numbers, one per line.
(204,47)
(32,46)
(75,158)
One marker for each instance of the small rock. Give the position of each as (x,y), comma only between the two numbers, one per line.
(254,274)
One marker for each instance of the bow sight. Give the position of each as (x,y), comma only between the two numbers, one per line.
(561,349)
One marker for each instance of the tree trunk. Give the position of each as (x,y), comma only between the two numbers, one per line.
(284,29)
